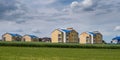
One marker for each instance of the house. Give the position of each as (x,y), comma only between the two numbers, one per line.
(116,40)
(91,38)
(68,35)
(30,38)
(45,39)
(11,37)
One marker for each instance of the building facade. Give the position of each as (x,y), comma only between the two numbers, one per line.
(68,35)
(91,38)
(30,38)
(11,37)
(45,39)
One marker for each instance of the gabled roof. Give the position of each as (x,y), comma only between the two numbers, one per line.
(33,36)
(116,38)
(91,33)
(12,34)
(64,30)
(67,31)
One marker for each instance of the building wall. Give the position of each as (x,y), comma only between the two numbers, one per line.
(73,37)
(55,36)
(7,37)
(83,38)
(114,41)
(45,39)
(98,38)
(26,38)
(35,39)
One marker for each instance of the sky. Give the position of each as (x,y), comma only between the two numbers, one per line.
(41,17)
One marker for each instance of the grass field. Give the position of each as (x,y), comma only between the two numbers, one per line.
(32,53)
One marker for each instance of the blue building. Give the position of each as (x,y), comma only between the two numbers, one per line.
(116,40)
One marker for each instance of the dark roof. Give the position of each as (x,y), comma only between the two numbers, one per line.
(14,34)
(116,38)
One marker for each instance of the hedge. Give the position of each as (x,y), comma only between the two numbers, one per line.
(60,45)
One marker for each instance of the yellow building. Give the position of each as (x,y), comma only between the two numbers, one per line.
(30,38)
(91,38)
(68,35)
(11,37)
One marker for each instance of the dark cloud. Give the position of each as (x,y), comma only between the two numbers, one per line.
(97,6)
(10,9)
(20,21)
(41,17)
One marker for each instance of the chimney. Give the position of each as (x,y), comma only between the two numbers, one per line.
(70,28)
(96,32)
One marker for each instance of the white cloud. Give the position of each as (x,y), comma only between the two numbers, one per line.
(87,3)
(41,18)
(84,4)
(117,28)
(74,4)
(97,7)
(38,2)
(46,1)
(42,1)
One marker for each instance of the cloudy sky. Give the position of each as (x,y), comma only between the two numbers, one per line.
(41,17)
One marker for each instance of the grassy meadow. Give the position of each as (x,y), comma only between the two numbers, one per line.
(58,51)
(37,53)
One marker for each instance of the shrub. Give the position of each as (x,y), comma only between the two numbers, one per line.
(60,45)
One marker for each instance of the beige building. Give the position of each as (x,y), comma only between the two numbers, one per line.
(30,38)
(11,37)
(91,38)
(68,35)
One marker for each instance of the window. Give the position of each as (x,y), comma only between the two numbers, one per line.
(87,40)
(4,38)
(67,40)
(59,35)
(72,35)
(59,40)
(99,37)
(23,39)
(67,35)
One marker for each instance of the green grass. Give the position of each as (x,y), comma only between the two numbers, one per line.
(35,53)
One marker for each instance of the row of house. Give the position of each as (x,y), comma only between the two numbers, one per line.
(70,35)
(25,38)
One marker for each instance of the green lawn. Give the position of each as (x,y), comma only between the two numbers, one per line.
(31,53)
